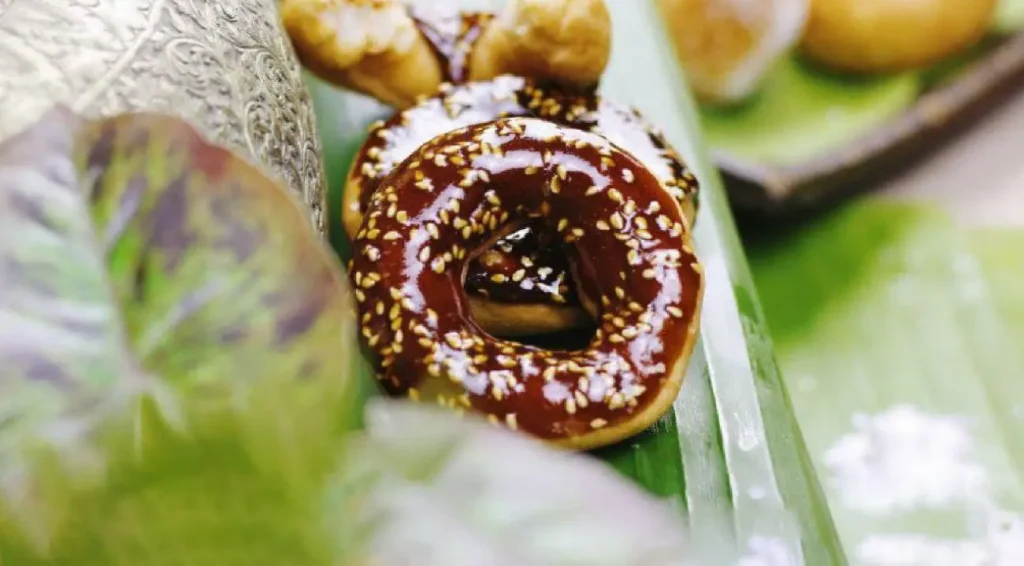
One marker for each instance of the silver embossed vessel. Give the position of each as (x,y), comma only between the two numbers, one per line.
(224,65)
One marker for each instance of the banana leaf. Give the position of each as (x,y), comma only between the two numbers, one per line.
(898,330)
(730,454)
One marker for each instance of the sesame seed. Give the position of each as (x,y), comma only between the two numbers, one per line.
(519,275)
(628,176)
(425,254)
(437,265)
(650,274)
(620,292)
(570,406)
(598,423)
(498,278)
(615,195)
(675,311)
(563,224)
(616,401)
(617,221)
(549,373)
(561,172)
(592,191)
(510,420)
(555,185)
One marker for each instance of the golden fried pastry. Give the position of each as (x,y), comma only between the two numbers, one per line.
(727,46)
(566,41)
(396,53)
(370,46)
(879,36)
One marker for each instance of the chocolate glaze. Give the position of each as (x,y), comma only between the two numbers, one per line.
(623,233)
(452,36)
(458,106)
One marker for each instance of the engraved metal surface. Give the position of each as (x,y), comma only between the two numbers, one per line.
(225,65)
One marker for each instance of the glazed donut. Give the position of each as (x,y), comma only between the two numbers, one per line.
(883,36)
(628,245)
(727,47)
(396,53)
(522,285)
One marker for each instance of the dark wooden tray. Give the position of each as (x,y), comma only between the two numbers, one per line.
(767,190)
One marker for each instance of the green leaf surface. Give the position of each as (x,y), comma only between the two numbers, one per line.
(175,346)
(1009,16)
(899,335)
(729,455)
(802,112)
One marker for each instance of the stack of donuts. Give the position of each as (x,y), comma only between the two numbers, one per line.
(506,198)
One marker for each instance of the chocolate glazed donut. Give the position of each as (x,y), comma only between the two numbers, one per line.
(627,243)
(522,285)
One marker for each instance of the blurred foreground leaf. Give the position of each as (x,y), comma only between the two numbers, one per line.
(174,343)
(440,491)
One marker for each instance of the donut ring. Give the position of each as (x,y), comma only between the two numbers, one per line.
(628,244)
(522,285)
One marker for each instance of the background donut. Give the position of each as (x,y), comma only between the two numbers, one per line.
(522,285)
(626,238)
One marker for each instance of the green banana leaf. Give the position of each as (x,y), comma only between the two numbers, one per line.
(899,332)
(729,455)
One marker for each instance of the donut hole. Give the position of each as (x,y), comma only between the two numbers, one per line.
(574,340)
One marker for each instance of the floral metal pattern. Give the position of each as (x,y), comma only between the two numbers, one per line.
(224,65)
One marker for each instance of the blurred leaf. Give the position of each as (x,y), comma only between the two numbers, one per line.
(802,112)
(901,350)
(1009,16)
(175,347)
(457,492)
